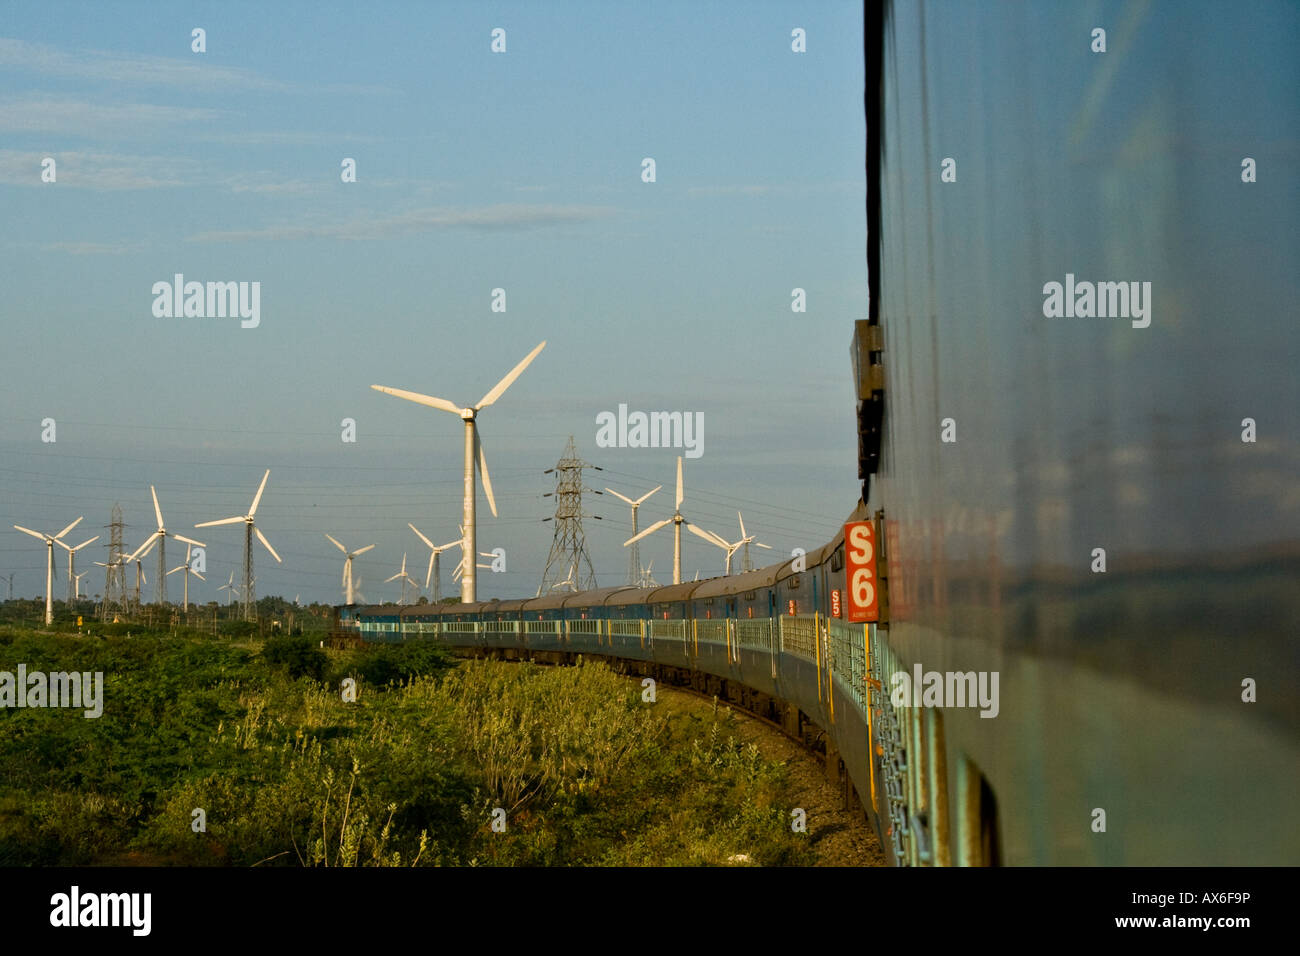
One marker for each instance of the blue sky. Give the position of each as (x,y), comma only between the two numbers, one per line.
(475,171)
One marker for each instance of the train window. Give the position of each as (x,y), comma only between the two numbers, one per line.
(751,595)
(837,559)
(794,583)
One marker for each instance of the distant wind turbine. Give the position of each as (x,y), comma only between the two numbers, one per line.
(49,540)
(677,520)
(347,565)
(405,578)
(161,536)
(473,455)
(250,529)
(72,573)
(188,571)
(435,572)
(634,572)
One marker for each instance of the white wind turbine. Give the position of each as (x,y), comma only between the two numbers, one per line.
(405,578)
(72,573)
(79,577)
(746,540)
(731,547)
(347,565)
(49,540)
(473,455)
(160,536)
(677,520)
(435,572)
(250,529)
(634,571)
(230,586)
(188,571)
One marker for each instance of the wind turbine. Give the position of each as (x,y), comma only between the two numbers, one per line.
(49,540)
(72,574)
(405,577)
(250,529)
(188,571)
(78,579)
(435,572)
(731,547)
(161,536)
(746,539)
(634,557)
(677,520)
(473,454)
(347,565)
(648,579)
(230,586)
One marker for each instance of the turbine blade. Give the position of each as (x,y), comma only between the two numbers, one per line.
(393,578)
(144,548)
(86,542)
(180,537)
(199,576)
(623,497)
(760,544)
(419,534)
(336,543)
(156,509)
(650,530)
(258,497)
(262,538)
(234,520)
(742,524)
(708,536)
(181,568)
(62,545)
(679,482)
(69,528)
(646,495)
(34,534)
(482,470)
(419,399)
(451,544)
(500,387)
(363,550)
(429,574)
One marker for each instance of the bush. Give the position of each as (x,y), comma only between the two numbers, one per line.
(298,656)
(380,664)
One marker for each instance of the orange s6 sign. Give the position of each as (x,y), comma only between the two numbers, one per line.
(860,570)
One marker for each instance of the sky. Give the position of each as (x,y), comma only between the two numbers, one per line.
(475,170)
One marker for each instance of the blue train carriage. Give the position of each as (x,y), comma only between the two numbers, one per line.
(669,634)
(543,622)
(501,624)
(378,622)
(626,614)
(734,632)
(587,619)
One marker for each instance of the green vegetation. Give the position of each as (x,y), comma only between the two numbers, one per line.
(259,738)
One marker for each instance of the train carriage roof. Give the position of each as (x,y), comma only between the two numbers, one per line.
(737,583)
(596,598)
(547,602)
(674,592)
(630,596)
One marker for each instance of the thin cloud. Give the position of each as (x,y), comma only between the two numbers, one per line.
(500,217)
(91,248)
(193,72)
(94,170)
(61,114)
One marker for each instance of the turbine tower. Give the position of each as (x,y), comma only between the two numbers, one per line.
(188,571)
(435,572)
(72,572)
(250,529)
(347,565)
(231,587)
(634,570)
(160,536)
(49,540)
(569,545)
(677,520)
(473,455)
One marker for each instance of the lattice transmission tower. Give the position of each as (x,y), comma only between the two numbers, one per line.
(115,598)
(564,566)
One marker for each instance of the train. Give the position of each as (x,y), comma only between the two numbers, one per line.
(1096,509)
